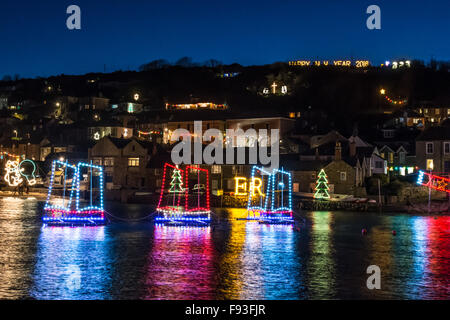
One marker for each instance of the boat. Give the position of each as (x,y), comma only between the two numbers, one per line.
(65,206)
(179,204)
(275,206)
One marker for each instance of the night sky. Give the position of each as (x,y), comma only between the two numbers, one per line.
(126,34)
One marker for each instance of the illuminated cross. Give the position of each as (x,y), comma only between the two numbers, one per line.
(274,87)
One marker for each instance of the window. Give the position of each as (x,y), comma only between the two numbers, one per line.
(133,162)
(343,176)
(216,169)
(430,164)
(194,168)
(446,147)
(237,170)
(437,111)
(157,172)
(388,133)
(109,162)
(97,161)
(379,164)
(429,147)
(295,186)
(401,157)
(391,157)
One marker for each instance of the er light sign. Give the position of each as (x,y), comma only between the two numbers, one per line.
(240,186)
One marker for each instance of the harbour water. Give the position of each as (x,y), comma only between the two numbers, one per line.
(323,257)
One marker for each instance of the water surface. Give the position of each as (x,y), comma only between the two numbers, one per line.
(324,257)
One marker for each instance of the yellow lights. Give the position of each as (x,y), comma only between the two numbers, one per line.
(255,185)
(240,186)
(97,136)
(430,164)
(57,104)
(274,87)
(194,106)
(336,63)
(12,173)
(382,91)
(136,96)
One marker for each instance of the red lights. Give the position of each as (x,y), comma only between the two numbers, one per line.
(177,208)
(434,182)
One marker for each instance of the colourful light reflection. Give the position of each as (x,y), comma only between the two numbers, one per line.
(72,263)
(180,265)
(321,267)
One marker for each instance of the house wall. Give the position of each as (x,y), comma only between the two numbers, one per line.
(333,171)
(439,157)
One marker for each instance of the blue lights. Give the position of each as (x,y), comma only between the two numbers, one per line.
(420,177)
(65,214)
(276,208)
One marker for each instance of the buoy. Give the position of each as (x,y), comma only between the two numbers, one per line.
(363,232)
(394,232)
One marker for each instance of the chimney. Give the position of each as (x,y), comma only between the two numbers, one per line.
(352,148)
(338,151)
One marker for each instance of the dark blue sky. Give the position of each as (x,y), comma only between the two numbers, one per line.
(126,34)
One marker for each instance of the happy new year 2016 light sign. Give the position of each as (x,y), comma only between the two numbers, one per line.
(433,181)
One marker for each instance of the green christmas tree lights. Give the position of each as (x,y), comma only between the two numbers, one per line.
(176,185)
(322,186)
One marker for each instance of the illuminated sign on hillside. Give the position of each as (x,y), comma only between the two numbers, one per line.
(334,63)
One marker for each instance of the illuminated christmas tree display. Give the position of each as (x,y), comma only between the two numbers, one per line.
(176,185)
(322,186)
(184,205)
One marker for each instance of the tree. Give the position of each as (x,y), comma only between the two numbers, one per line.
(176,185)
(185,62)
(322,186)
(155,64)
(213,63)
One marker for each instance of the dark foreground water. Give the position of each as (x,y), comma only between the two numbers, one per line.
(326,258)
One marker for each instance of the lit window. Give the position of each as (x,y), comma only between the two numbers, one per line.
(216,169)
(343,176)
(133,162)
(97,161)
(109,162)
(430,147)
(430,164)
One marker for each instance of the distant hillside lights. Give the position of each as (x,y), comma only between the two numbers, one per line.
(197,106)
(334,63)
(275,89)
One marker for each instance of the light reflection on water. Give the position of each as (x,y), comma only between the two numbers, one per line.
(324,258)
